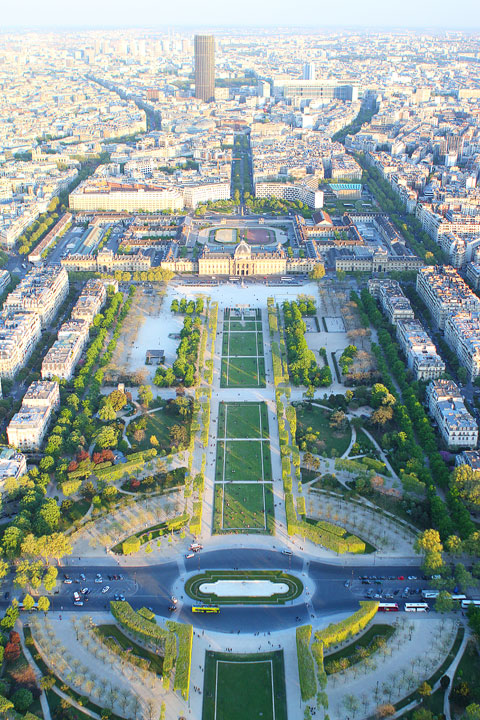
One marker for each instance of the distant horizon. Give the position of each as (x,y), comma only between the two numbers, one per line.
(375,15)
(279,28)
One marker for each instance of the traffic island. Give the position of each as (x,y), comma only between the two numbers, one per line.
(244,587)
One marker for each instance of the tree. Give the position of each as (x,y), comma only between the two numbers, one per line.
(384,711)
(444,602)
(117,399)
(5,704)
(22,699)
(28,602)
(318,272)
(423,714)
(43,604)
(145,395)
(425,690)
(47,681)
(107,437)
(380,395)
(107,412)
(472,712)
(48,516)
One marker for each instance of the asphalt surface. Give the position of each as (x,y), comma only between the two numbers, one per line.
(152,586)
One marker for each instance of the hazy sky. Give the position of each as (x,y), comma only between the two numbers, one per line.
(308,13)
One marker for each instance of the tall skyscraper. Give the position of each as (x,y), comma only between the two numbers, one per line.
(309,71)
(205,67)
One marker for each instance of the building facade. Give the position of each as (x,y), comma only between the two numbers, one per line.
(456,425)
(205,67)
(28,427)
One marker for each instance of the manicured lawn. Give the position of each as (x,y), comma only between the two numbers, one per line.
(159,424)
(192,587)
(314,422)
(241,461)
(238,687)
(242,343)
(434,703)
(468,671)
(243,372)
(237,326)
(112,631)
(243,420)
(246,507)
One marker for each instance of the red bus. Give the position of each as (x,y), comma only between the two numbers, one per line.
(388,607)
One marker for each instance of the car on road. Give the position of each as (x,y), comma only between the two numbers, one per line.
(172,608)
(401,577)
(119,596)
(412,577)
(287,552)
(346,583)
(174,600)
(82,577)
(98,579)
(78,602)
(366,582)
(85,591)
(105,589)
(68,581)
(190,555)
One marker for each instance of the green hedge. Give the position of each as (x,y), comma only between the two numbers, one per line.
(184,634)
(336,633)
(131,545)
(306,667)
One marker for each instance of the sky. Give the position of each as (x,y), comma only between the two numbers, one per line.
(314,14)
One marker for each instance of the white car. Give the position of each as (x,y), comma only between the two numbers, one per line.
(105,589)
(174,600)
(67,581)
(287,552)
(190,555)
(412,577)
(98,580)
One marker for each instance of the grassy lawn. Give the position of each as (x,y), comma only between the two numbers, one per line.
(60,713)
(246,507)
(366,445)
(241,460)
(313,428)
(244,686)
(242,343)
(237,326)
(243,420)
(112,631)
(434,703)
(350,651)
(159,424)
(243,372)
(468,671)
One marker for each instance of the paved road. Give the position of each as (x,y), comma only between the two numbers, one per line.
(153,586)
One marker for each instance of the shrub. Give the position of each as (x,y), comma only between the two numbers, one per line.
(306,668)
(336,633)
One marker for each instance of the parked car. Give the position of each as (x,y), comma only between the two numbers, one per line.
(105,589)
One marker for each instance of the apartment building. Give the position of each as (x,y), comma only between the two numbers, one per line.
(41,291)
(4,280)
(291,192)
(473,274)
(28,427)
(462,333)
(394,303)
(103,195)
(62,358)
(12,465)
(91,301)
(421,353)
(195,194)
(445,293)
(445,403)
(19,333)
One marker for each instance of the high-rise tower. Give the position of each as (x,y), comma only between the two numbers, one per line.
(205,67)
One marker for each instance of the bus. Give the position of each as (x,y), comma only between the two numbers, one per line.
(467,603)
(416,607)
(205,609)
(459,598)
(388,607)
(430,594)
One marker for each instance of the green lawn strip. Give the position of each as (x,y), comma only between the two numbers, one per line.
(328,439)
(306,666)
(350,652)
(245,500)
(243,420)
(468,671)
(241,687)
(243,461)
(243,506)
(46,670)
(243,372)
(125,643)
(243,343)
(238,326)
(193,584)
(438,673)
(366,445)
(16,668)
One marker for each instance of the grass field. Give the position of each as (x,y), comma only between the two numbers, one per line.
(314,422)
(238,687)
(159,424)
(243,461)
(243,420)
(246,507)
(240,344)
(243,372)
